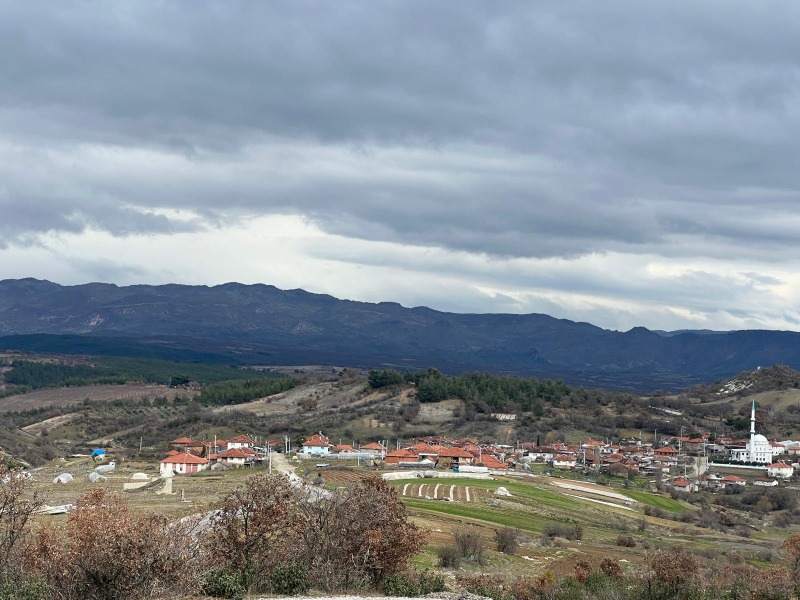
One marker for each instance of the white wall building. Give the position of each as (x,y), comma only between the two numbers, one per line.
(759,449)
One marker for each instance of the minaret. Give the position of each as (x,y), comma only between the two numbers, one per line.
(753,432)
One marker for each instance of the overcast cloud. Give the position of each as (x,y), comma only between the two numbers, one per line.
(623,163)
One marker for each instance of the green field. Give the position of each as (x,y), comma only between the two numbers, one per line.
(657,501)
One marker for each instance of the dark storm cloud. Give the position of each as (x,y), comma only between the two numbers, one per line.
(519,129)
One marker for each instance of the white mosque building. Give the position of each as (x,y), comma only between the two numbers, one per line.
(759,449)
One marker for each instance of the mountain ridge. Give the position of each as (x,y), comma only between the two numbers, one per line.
(262,322)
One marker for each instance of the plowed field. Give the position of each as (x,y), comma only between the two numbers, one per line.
(95,393)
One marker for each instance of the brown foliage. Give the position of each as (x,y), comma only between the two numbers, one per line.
(626,541)
(582,570)
(106,552)
(17,508)
(672,569)
(350,537)
(792,546)
(257,527)
(610,567)
(357,534)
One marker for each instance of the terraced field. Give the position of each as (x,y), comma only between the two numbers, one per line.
(442,491)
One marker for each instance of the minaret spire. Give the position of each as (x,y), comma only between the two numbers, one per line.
(753,432)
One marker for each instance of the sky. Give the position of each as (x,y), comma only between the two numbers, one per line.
(622,163)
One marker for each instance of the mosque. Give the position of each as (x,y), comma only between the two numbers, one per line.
(759,449)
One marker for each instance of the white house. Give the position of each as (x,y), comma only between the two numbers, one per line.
(183,463)
(684,485)
(781,470)
(317,445)
(240,441)
(236,457)
(564,461)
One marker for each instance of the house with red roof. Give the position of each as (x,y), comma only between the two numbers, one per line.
(373,448)
(491,462)
(238,457)
(732,480)
(564,461)
(424,451)
(240,441)
(781,470)
(455,457)
(683,485)
(182,443)
(591,445)
(317,445)
(395,457)
(343,448)
(183,463)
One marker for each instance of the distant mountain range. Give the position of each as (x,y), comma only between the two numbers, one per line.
(265,325)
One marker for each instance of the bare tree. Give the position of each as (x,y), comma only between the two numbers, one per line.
(18,504)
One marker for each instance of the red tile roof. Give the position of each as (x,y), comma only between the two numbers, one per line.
(423,448)
(184,459)
(235,453)
(373,446)
(564,457)
(317,440)
(241,439)
(491,462)
(401,454)
(182,440)
(454,453)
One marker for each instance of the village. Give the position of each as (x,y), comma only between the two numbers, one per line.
(682,463)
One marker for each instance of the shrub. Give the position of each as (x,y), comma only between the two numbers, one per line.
(414,584)
(224,585)
(32,589)
(485,585)
(431,583)
(526,588)
(507,540)
(400,585)
(582,570)
(290,580)
(255,527)
(347,543)
(568,532)
(449,557)
(105,551)
(469,546)
(626,541)
(610,567)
